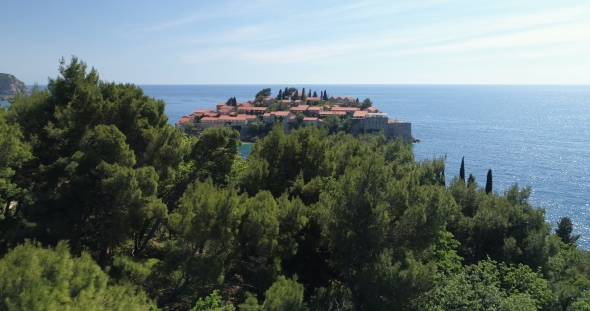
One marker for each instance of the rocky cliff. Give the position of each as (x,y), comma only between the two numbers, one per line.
(9,84)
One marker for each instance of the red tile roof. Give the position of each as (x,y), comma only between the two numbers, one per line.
(338,108)
(338,113)
(300,108)
(251,108)
(280,113)
(315,108)
(360,114)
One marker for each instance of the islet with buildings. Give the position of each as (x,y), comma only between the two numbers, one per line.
(297,109)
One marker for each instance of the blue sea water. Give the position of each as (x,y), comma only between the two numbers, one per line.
(533,135)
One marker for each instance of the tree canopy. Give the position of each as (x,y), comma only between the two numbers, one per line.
(128,212)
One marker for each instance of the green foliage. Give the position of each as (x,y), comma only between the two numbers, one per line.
(564,231)
(462,169)
(505,229)
(335,124)
(232,101)
(35,278)
(489,286)
(278,106)
(212,303)
(568,272)
(317,219)
(14,152)
(283,295)
(489,182)
(366,104)
(8,82)
(264,93)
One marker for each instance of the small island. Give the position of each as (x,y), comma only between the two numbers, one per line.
(295,109)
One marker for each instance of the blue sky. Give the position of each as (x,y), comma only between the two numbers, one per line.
(315,42)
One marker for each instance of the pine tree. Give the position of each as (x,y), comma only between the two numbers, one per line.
(295,95)
(489,182)
(564,230)
(462,170)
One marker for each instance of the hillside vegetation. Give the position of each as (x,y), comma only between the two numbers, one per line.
(107,206)
(9,84)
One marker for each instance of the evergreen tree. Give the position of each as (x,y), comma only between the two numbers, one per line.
(286,93)
(36,278)
(325,96)
(309,95)
(280,96)
(366,103)
(315,94)
(462,169)
(564,230)
(471,180)
(295,95)
(264,93)
(303,94)
(489,182)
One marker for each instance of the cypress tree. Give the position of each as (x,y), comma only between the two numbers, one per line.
(309,95)
(489,182)
(315,94)
(295,96)
(303,94)
(462,170)
(280,96)
(286,92)
(325,95)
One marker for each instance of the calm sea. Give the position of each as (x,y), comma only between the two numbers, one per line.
(537,135)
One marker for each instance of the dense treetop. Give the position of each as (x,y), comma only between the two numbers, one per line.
(106,206)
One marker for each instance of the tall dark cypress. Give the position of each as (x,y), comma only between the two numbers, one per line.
(280,96)
(309,95)
(462,170)
(489,182)
(325,96)
(303,94)
(286,92)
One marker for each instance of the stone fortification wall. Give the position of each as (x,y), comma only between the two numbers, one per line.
(403,129)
